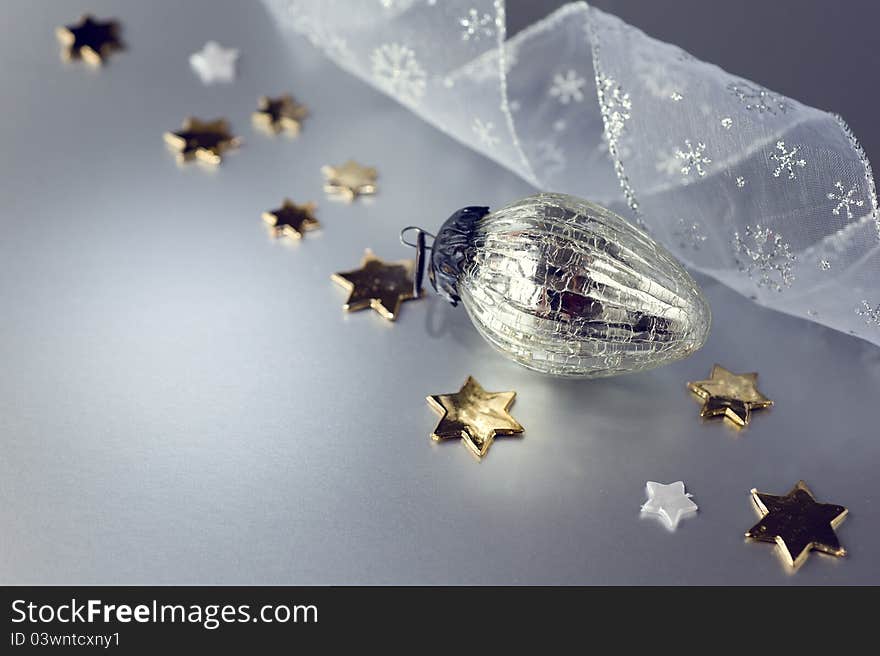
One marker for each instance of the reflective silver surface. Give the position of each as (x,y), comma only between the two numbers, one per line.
(566,287)
(183,401)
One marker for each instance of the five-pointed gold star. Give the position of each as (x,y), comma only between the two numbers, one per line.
(732,396)
(205,141)
(349,180)
(292,220)
(280,114)
(797,523)
(474,415)
(90,40)
(380,285)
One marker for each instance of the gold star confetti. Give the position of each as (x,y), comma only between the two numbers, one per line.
(729,395)
(797,523)
(90,40)
(380,285)
(205,141)
(282,114)
(474,415)
(292,220)
(349,180)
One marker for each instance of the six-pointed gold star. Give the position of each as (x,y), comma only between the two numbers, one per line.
(380,285)
(282,114)
(291,220)
(349,180)
(729,395)
(797,523)
(205,141)
(90,40)
(474,415)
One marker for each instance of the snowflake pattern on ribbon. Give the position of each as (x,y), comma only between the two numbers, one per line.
(689,234)
(637,135)
(762,254)
(785,160)
(871,315)
(476,26)
(396,69)
(693,158)
(845,199)
(567,87)
(756,98)
(485,132)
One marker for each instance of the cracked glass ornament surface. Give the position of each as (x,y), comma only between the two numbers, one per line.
(568,288)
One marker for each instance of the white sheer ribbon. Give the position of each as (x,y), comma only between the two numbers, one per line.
(769,196)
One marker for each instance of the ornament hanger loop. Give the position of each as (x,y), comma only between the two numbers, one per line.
(421,247)
(420,235)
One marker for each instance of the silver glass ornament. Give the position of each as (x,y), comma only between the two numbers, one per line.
(566,287)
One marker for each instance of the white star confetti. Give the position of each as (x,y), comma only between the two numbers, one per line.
(669,502)
(214,63)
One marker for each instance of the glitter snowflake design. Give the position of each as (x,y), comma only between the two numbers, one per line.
(549,157)
(656,78)
(475,26)
(825,265)
(762,254)
(485,131)
(871,315)
(758,99)
(740,182)
(726,122)
(690,235)
(845,200)
(568,87)
(396,69)
(615,106)
(693,158)
(785,160)
(675,96)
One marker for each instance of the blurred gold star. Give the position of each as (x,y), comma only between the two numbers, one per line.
(380,285)
(474,415)
(797,523)
(349,180)
(729,395)
(90,40)
(205,141)
(292,220)
(281,114)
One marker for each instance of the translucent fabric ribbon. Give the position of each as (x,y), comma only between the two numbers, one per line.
(769,196)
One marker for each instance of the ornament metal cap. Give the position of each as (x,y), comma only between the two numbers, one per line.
(565,287)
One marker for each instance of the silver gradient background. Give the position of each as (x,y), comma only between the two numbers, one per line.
(182,400)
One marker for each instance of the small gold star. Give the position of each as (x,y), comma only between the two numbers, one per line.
(280,114)
(729,395)
(380,285)
(474,415)
(292,220)
(349,180)
(797,523)
(202,140)
(90,40)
